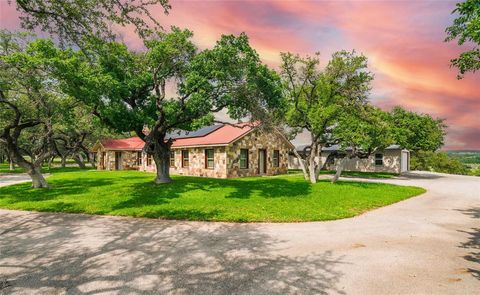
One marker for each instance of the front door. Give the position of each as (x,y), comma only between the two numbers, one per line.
(262,161)
(118,157)
(103,161)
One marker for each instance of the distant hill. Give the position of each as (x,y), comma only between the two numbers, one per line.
(463,151)
(466,156)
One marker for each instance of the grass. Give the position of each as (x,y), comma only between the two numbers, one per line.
(358,174)
(5,168)
(286,198)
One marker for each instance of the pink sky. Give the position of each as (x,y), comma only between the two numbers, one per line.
(402,39)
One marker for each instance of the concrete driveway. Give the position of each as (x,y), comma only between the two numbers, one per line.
(13,178)
(425,245)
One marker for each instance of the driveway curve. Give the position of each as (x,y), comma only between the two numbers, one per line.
(428,244)
(13,178)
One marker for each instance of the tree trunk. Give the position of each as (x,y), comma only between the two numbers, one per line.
(38,181)
(12,165)
(92,162)
(340,168)
(318,166)
(302,164)
(312,164)
(79,160)
(63,161)
(50,160)
(162,162)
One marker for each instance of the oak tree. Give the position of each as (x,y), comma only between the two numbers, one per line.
(172,85)
(316,98)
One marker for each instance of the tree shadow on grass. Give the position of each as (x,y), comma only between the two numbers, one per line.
(146,193)
(77,254)
(473,242)
(358,184)
(268,187)
(182,214)
(24,193)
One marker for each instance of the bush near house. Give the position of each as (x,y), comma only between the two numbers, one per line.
(285,198)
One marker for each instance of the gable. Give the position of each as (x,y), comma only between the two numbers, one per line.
(275,131)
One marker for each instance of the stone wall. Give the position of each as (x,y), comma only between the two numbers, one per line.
(254,142)
(226,158)
(197,162)
(106,160)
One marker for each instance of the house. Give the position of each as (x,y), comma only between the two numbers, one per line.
(392,159)
(220,151)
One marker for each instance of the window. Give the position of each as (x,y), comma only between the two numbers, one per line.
(172,159)
(209,158)
(185,158)
(149,160)
(330,159)
(243,159)
(139,158)
(276,158)
(378,159)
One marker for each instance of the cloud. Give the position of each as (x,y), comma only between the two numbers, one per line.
(402,39)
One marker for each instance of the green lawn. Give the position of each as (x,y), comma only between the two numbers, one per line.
(5,168)
(352,173)
(132,193)
(362,174)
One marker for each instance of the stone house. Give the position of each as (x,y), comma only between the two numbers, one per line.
(219,151)
(392,159)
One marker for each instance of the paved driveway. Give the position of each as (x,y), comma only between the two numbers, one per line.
(13,178)
(425,245)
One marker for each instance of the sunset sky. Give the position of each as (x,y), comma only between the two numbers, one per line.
(403,41)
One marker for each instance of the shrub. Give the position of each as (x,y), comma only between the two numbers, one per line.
(437,162)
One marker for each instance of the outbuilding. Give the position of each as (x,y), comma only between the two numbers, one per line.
(393,159)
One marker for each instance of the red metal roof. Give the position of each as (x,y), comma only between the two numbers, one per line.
(132,143)
(221,136)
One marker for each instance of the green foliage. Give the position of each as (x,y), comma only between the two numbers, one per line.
(37,119)
(265,199)
(170,86)
(364,131)
(417,132)
(466,30)
(317,97)
(467,157)
(471,159)
(474,170)
(437,162)
(129,89)
(80,20)
(328,103)
(30,101)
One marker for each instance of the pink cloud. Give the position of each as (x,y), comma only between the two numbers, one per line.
(403,40)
